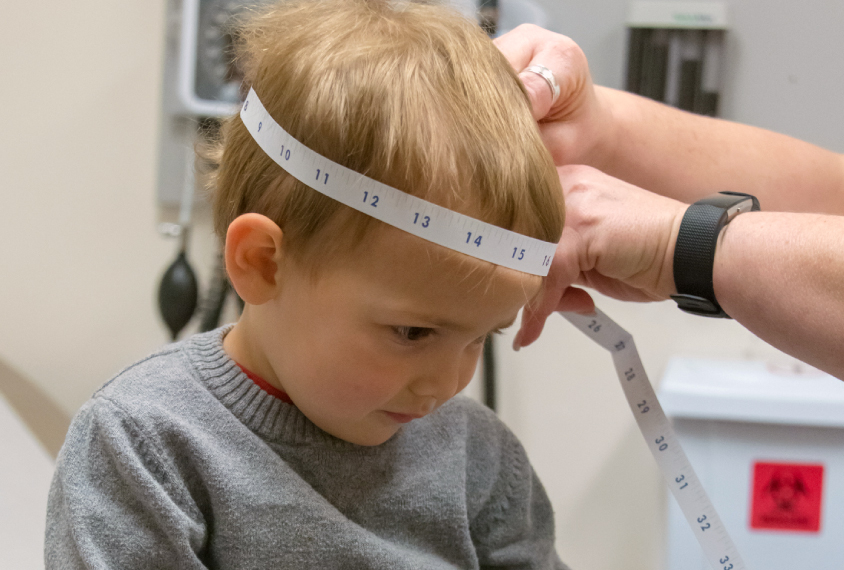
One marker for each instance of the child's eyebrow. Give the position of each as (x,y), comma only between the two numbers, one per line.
(497,329)
(458,326)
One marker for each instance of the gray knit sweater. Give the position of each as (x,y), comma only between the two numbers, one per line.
(181,461)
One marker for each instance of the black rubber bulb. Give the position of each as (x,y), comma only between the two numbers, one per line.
(177,294)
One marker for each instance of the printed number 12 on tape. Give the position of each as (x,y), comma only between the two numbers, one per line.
(718,547)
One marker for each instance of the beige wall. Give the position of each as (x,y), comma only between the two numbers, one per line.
(81,261)
(80,254)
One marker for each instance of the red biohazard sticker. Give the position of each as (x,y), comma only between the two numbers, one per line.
(787,496)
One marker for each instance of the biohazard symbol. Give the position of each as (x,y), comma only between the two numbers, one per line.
(786,488)
(786,497)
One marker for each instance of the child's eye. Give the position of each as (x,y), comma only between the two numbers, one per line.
(413,333)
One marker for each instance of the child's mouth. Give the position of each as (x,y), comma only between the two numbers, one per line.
(402,418)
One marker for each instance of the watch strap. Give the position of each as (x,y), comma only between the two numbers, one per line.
(694,251)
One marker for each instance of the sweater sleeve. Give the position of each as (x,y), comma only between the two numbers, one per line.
(115,502)
(515,526)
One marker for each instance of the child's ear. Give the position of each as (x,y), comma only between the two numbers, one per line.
(253,252)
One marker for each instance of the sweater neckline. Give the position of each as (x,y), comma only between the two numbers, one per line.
(264,385)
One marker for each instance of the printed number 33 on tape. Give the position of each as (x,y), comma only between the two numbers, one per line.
(718,547)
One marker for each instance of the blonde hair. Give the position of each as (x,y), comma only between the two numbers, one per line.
(412,95)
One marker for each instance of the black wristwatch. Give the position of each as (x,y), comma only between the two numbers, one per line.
(694,253)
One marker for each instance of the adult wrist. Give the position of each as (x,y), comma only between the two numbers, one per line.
(604,151)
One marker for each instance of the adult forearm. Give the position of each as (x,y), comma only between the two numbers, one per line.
(782,276)
(687,156)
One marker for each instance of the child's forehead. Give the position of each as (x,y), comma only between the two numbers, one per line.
(396,259)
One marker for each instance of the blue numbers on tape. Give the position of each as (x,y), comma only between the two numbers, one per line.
(391,205)
(709,531)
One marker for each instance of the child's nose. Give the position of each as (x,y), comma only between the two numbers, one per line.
(440,380)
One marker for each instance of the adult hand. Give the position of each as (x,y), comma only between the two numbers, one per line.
(618,240)
(576,126)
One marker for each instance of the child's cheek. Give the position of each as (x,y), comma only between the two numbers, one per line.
(363,377)
(363,394)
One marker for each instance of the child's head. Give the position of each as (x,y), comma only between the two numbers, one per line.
(360,322)
(412,95)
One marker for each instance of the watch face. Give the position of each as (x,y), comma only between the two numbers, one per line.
(733,203)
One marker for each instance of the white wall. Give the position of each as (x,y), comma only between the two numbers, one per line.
(783,60)
(25,477)
(81,258)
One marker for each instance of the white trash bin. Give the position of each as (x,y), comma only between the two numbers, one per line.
(768,447)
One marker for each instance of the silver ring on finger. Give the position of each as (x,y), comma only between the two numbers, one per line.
(549,78)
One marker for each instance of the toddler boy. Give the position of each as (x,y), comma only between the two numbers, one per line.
(322,430)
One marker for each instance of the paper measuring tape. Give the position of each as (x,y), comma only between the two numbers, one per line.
(718,547)
(392,206)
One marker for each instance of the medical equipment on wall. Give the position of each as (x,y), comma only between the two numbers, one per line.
(674,53)
(201,85)
(178,291)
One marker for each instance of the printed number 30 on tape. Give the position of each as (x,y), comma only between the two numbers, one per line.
(394,207)
(718,547)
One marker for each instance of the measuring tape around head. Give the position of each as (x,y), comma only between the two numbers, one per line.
(394,207)
(503,247)
(718,547)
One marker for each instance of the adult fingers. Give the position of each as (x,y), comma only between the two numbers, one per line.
(529,45)
(533,317)
(565,270)
(576,300)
